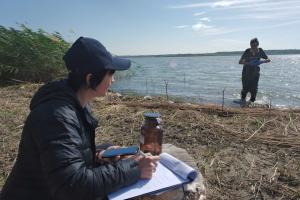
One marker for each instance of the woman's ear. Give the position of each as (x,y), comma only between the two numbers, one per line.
(88,80)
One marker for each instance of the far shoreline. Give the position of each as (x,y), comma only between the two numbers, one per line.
(225,53)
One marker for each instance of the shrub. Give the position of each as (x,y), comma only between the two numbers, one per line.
(34,56)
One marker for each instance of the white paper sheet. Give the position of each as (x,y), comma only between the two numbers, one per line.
(162,179)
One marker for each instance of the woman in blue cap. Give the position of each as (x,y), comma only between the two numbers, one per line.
(57,156)
(251,59)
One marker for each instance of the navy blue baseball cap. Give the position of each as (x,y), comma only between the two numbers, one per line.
(89,55)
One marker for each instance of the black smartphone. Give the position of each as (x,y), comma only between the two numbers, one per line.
(132,150)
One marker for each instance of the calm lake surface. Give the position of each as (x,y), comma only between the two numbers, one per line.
(202,79)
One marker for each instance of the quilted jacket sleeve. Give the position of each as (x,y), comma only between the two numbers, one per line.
(64,168)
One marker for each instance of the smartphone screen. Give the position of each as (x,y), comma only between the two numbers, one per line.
(121,151)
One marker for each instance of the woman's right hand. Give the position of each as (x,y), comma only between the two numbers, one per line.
(147,165)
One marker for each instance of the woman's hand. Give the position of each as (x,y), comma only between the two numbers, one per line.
(242,61)
(147,165)
(110,160)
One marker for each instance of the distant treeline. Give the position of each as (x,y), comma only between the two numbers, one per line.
(229,53)
(33,56)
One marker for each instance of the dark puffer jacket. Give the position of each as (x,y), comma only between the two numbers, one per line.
(56,158)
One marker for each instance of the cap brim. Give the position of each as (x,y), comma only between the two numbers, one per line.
(119,63)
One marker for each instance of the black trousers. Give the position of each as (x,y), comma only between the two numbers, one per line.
(250,78)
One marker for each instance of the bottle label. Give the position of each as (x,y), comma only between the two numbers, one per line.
(142,139)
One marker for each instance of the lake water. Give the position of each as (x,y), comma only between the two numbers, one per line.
(202,79)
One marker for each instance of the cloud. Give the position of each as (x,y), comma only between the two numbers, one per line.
(206,19)
(224,3)
(281,24)
(200,26)
(216,31)
(263,5)
(181,26)
(199,14)
(205,30)
(216,4)
(256,6)
(196,5)
(266,14)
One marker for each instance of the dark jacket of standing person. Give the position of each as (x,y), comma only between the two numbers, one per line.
(251,71)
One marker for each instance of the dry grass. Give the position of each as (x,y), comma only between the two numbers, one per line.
(242,153)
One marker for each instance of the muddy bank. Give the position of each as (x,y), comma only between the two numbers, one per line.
(251,153)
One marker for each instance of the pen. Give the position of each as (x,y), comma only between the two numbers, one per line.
(142,153)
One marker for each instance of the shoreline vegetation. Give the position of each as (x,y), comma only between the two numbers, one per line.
(242,153)
(30,56)
(250,153)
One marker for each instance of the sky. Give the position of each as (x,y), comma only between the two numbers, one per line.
(141,27)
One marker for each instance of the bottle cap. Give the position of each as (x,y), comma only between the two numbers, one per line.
(151,115)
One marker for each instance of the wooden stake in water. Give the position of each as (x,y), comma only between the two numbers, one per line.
(223,100)
(270,107)
(184,80)
(146,86)
(166,84)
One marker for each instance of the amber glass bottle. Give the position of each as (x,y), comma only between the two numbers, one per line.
(151,134)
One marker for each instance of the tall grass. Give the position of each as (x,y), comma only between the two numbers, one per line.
(27,55)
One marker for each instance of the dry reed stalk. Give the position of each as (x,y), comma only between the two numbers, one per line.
(255,132)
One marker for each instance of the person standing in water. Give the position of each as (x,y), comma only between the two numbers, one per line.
(251,59)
